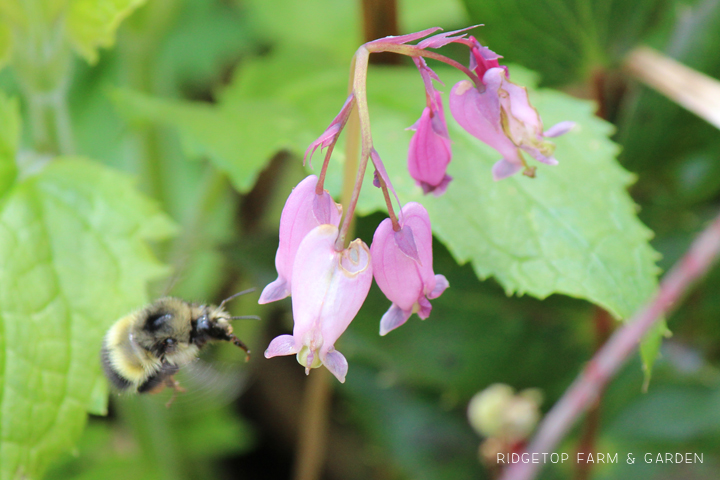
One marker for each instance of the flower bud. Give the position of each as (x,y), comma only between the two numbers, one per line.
(498,412)
(402,265)
(429,153)
(328,289)
(303,211)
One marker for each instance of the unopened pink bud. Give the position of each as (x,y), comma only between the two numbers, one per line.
(402,266)
(430,153)
(303,211)
(328,289)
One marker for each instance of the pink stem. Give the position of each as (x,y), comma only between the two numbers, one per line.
(388,202)
(414,51)
(320,188)
(587,387)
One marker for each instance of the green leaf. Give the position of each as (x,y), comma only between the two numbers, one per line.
(206,37)
(5,44)
(687,412)
(238,140)
(73,259)
(92,23)
(571,230)
(322,24)
(9,137)
(565,40)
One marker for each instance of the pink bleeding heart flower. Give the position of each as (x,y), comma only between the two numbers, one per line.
(328,288)
(499,113)
(402,266)
(430,152)
(303,211)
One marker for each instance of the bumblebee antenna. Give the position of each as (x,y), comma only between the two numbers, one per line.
(222,304)
(245,317)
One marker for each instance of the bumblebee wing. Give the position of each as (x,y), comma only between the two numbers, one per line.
(210,382)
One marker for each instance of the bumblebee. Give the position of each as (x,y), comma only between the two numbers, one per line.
(143,350)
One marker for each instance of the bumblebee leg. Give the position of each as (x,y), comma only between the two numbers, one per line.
(156,383)
(175,385)
(239,343)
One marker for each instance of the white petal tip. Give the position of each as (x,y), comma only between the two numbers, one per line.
(441,284)
(336,363)
(393,318)
(559,129)
(282,345)
(504,169)
(275,291)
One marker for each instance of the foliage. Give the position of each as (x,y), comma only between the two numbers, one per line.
(151,150)
(74,258)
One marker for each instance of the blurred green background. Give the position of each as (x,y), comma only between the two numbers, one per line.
(172,93)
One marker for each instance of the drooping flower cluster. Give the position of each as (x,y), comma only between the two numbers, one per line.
(328,285)
(329,280)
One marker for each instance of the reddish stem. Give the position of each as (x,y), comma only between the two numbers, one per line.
(388,202)
(414,51)
(319,189)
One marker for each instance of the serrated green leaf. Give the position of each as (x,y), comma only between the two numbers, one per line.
(9,137)
(73,259)
(238,140)
(92,24)
(571,230)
